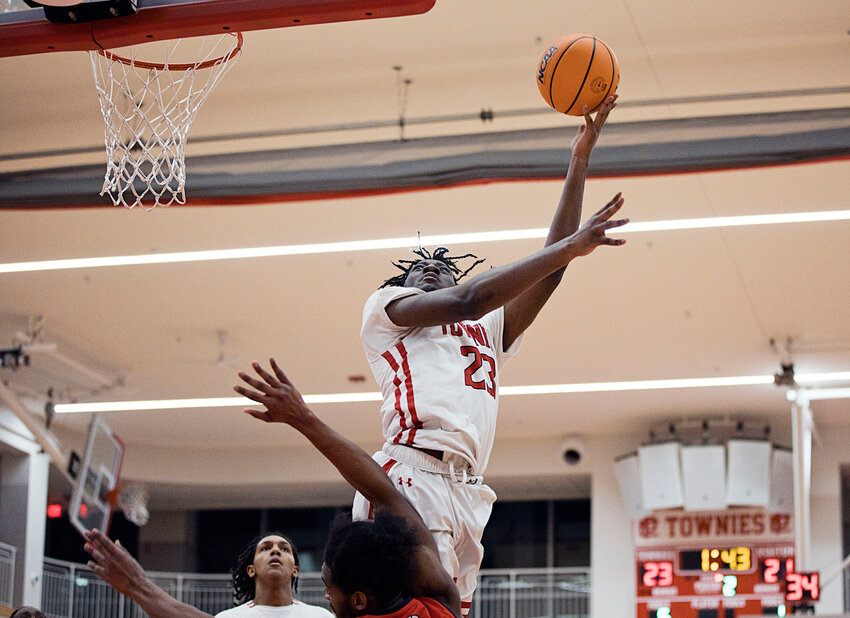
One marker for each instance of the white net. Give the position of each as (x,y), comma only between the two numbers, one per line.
(133,501)
(7,6)
(148,108)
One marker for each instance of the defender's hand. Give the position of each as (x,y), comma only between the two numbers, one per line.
(112,563)
(282,400)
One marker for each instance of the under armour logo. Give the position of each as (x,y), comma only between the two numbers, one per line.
(409,484)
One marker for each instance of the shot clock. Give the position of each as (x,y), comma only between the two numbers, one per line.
(802,588)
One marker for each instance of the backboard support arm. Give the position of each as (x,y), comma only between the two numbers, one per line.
(157,20)
(43,436)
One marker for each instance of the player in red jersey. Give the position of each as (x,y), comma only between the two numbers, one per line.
(389,567)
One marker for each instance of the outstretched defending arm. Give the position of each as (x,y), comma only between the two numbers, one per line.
(114,565)
(284,404)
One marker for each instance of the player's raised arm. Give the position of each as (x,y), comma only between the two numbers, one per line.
(284,404)
(446,302)
(521,311)
(114,565)
(568,213)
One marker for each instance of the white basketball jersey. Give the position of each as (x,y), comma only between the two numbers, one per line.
(440,383)
(296,610)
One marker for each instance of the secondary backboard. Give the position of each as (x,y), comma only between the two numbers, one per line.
(93,497)
(25,30)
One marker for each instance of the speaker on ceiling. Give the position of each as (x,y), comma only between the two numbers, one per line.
(627,471)
(660,476)
(748,481)
(704,477)
(782,481)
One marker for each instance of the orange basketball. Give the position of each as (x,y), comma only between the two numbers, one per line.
(575,71)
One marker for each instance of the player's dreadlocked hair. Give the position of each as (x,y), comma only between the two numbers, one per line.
(371,556)
(244,587)
(440,253)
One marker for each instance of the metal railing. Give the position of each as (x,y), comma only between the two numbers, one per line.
(7,574)
(527,593)
(71,590)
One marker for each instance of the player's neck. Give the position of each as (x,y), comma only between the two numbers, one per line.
(276,596)
(393,606)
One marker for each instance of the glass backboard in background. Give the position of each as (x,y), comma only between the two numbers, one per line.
(93,495)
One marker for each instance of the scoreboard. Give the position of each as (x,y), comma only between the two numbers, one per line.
(718,576)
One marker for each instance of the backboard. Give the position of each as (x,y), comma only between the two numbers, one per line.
(25,30)
(93,498)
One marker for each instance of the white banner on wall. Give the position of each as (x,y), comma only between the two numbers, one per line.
(675,528)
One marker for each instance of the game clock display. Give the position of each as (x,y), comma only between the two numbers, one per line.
(721,581)
(711,559)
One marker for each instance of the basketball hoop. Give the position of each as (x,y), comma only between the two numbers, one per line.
(148,108)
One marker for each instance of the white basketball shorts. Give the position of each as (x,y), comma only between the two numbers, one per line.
(454,506)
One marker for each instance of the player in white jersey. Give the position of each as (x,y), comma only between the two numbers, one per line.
(260,578)
(436,348)
(296,609)
(264,579)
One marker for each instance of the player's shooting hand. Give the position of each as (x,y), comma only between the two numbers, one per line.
(282,400)
(112,563)
(592,233)
(589,132)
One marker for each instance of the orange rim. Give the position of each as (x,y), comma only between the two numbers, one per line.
(161,66)
(112,497)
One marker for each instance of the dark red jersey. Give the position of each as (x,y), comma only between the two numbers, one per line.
(420,607)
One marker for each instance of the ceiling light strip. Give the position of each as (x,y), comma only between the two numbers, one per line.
(408,242)
(813,378)
(204,402)
(642,385)
(540,389)
(738,221)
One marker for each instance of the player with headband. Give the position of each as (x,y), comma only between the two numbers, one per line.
(436,348)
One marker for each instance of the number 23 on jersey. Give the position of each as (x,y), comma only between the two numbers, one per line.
(479,359)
